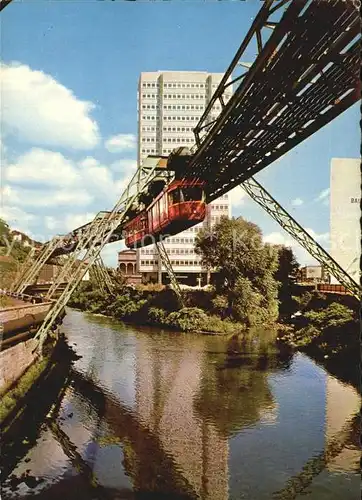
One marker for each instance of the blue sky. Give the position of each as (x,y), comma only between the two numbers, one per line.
(70,84)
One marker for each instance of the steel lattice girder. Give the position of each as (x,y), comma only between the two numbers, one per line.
(306,74)
(91,241)
(25,268)
(162,252)
(32,272)
(286,221)
(102,276)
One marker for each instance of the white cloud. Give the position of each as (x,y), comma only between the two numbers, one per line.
(121,142)
(318,236)
(47,183)
(282,238)
(237,197)
(51,222)
(72,221)
(323,196)
(110,253)
(42,111)
(67,222)
(124,166)
(297,202)
(97,178)
(44,178)
(42,167)
(277,238)
(49,198)
(17,218)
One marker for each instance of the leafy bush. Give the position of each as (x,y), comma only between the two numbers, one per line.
(157,316)
(166,299)
(151,287)
(215,324)
(335,315)
(125,306)
(188,319)
(220,304)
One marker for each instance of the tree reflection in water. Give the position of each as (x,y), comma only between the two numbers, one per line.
(234,391)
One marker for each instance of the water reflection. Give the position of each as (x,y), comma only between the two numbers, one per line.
(234,391)
(187,416)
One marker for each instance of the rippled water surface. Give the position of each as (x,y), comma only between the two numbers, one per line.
(152,414)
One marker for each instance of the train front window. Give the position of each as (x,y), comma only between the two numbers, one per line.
(192,193)
(174,196)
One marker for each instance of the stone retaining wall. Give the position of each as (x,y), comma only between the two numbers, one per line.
(14,361)
(17,312)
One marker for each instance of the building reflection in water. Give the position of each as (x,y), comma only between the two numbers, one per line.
(193,417)
(342,414)
(195,398)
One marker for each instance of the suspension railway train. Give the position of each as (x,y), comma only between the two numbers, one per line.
(179,206)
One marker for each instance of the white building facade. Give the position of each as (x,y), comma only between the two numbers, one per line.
(170,104)
(345,213)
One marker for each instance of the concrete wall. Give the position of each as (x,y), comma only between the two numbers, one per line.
(16,312)
(14,361)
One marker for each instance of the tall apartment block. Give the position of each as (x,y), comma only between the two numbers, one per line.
(345,214)
(170,104)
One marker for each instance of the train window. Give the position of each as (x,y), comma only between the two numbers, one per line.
(174,197)
(192,193)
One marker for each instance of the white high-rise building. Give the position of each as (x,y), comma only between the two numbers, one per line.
(170,104)
(345,213)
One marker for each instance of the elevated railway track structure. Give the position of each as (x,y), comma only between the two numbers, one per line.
(305,74)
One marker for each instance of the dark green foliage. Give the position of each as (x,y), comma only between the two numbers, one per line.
(245,269)
(286,274)
(220,305)
(303,300)
(4,233)
(124,306)
(157,316)
(165,299)
(331,334)
(139,306)
(334,316)
(188,319)
(9,246)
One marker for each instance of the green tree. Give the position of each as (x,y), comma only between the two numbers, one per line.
(286,274)
(245,269)
(4,233)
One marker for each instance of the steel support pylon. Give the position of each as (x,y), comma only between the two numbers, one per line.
(168,266)
(25,267)
(256,191)
(90,240)
(102,277)
(30,274)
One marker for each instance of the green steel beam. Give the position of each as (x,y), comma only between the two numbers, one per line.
(286,221)
(91,241)
(162,252)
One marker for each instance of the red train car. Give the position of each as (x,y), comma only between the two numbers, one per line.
(178,207)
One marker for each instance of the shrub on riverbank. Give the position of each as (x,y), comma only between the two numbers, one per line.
(157,308)
(245,269)
(330,332)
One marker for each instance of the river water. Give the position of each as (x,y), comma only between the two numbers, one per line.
(153,414)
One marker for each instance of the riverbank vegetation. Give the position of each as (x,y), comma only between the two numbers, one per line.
(253,285)
(328,330)
(244,292)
